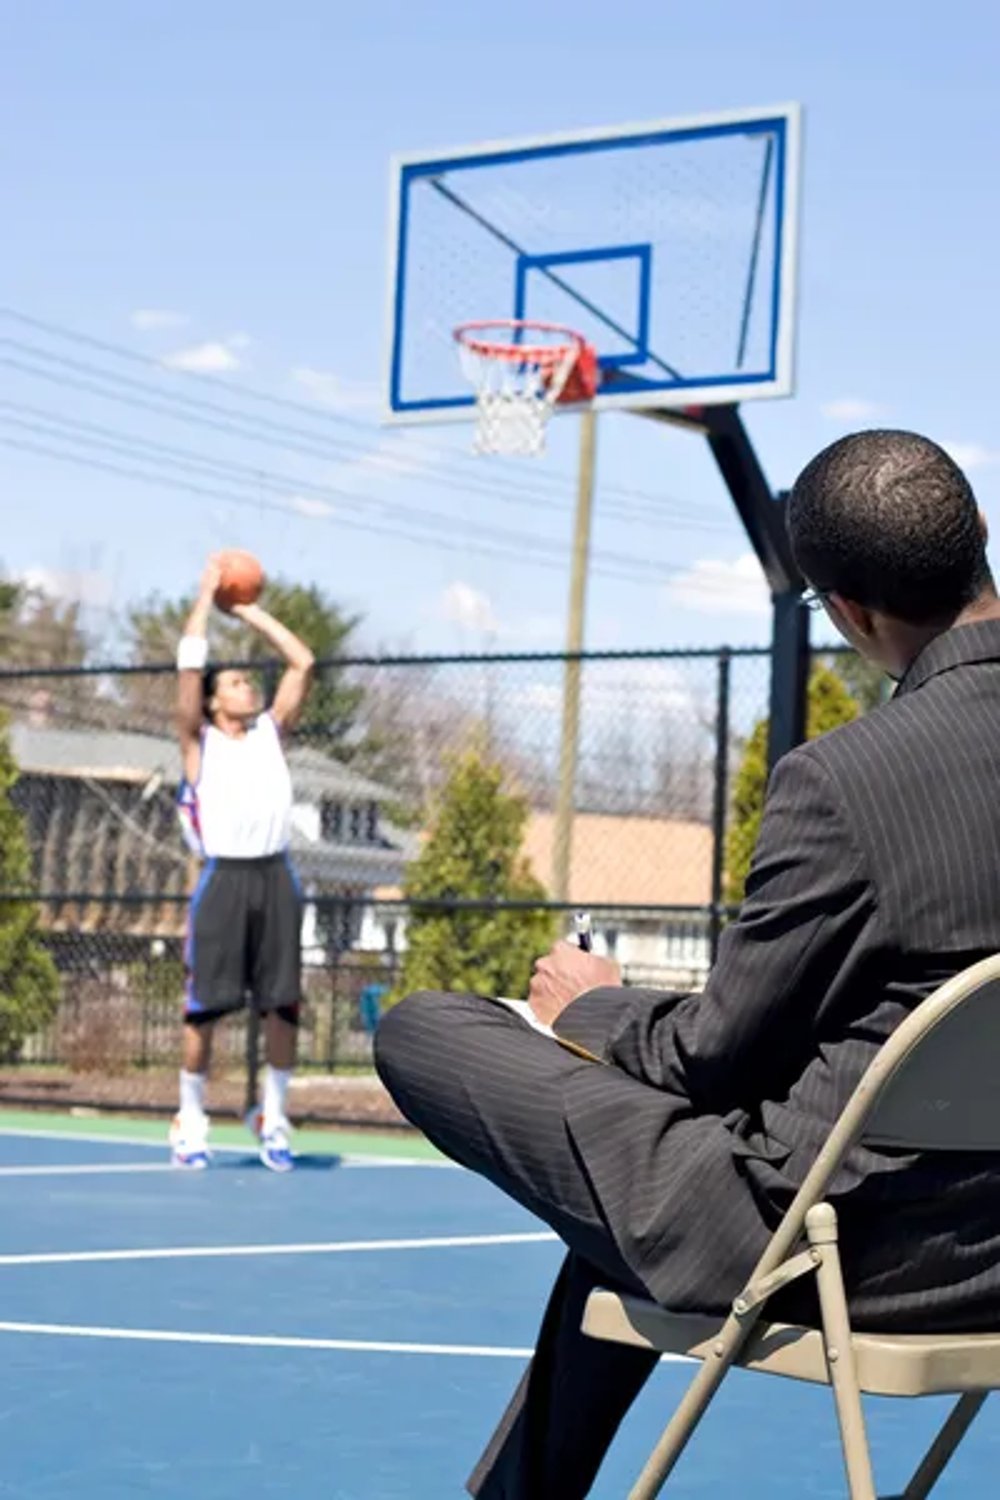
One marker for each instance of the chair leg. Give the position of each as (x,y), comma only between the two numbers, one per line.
(821,1227)
(678,1432)
(940,1451)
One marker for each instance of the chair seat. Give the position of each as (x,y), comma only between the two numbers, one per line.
(908,1364)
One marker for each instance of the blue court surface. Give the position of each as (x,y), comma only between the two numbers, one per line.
(349,1332)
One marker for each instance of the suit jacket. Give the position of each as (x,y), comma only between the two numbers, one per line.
(876,877)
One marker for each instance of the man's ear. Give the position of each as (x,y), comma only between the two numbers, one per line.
(984,527)
(857,616)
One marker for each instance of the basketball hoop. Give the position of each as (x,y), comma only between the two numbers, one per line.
(520,371)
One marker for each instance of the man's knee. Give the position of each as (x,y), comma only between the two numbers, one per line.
(404,1029)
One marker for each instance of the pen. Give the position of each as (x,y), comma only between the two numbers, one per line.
(582,928)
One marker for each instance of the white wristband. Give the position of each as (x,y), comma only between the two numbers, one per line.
(192,653)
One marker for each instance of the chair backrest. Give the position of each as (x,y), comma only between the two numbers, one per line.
(933,1086)
(937,1079)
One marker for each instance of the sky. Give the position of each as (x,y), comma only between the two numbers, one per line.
(205,187)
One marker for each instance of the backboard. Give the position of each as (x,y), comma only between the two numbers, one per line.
(671,247)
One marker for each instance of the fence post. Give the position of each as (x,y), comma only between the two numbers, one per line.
(720,797)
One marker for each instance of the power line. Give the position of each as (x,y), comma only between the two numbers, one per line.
(166,459)
(235,428)
(280,484)
(611,567)
(231,466)
(484,538)
(243,391)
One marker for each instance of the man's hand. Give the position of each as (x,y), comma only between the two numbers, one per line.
(564,974)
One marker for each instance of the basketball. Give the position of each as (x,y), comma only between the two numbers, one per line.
(242,579)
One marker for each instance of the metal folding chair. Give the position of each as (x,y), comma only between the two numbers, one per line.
(934,1086)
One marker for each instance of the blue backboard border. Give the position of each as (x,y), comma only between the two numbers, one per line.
(783,121)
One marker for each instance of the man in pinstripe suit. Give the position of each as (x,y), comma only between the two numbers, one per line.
(667,1135)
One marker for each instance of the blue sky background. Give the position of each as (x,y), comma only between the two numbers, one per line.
(226,164)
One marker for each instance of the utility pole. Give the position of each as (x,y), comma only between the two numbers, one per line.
(569,741)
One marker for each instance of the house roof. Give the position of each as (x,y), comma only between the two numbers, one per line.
(627,860)
(119,755)
(617,860)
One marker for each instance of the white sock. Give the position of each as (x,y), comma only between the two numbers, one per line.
(192,1093)
(276,1081)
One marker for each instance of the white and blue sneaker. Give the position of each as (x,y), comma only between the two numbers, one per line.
(189,1141)
(275,1151)
(273,1141)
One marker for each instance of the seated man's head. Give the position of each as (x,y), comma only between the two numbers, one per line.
(228,693)
(885,528)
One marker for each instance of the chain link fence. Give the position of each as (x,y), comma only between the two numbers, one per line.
(95,877)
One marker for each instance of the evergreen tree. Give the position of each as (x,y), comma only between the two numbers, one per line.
(867,684)
(473,852)
(829,704)
(29,983)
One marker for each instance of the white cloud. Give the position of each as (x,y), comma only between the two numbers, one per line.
(469,608)
(89,588)
(715,587)
(212,358)
(850,409)
(328,389)
(152,319)
(310,507)
(972,455)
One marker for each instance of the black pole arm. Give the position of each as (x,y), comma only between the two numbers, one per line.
(762,514)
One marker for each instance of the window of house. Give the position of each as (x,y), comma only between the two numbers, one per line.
(331,818)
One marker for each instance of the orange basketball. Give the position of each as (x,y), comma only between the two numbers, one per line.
(242,579)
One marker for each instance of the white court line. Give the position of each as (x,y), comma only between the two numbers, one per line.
(260,1341)
(96,1138)
(265,1341)
(97,1169)
(224,1252)
(87,1171)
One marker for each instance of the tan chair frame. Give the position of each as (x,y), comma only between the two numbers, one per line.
(851,1363)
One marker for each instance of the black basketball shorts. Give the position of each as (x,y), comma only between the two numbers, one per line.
(244,940)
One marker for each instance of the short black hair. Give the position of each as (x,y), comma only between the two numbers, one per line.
(209,683)
(888,519)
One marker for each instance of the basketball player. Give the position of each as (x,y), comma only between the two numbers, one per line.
(244,927)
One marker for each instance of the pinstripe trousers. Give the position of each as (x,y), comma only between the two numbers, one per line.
(488,1091)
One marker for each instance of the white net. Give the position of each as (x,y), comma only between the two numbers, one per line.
(516,386)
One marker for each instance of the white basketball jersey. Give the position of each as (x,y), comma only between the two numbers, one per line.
(241,806)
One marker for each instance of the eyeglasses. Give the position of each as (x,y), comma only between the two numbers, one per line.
(813,599)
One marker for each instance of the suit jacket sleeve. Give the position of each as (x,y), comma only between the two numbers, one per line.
(809,905)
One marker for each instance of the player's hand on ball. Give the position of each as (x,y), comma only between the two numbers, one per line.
(211,577)
(563,974)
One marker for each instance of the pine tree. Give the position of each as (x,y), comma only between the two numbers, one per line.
(473,852)
(867,684)
(829,704)
(29,983)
